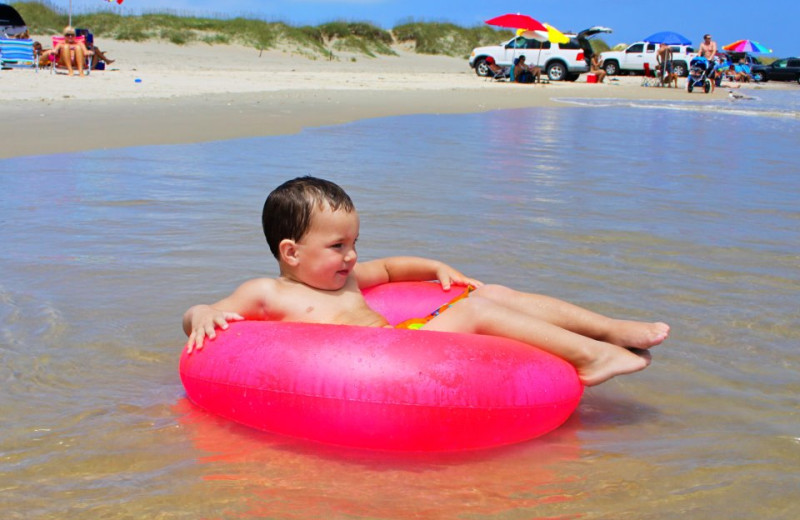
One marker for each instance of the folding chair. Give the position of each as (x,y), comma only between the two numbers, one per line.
(18,54)
(499,73)
(87,66)
(649,79)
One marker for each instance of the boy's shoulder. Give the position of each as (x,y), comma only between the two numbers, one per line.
(284,287)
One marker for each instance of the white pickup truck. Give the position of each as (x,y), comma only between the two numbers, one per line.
(637,54)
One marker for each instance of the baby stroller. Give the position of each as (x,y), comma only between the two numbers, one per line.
(700,71)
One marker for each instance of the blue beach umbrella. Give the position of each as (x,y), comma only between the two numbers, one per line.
(669,38)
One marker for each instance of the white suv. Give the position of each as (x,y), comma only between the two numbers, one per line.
(561,61)
(637,54)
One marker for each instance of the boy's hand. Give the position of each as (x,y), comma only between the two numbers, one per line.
(204,325)
(448,276)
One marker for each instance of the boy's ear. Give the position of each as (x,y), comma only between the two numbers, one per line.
(288,251)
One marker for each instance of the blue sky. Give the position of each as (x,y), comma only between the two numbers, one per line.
(772,23)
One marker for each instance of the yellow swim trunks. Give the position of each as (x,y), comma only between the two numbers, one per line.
(418,323)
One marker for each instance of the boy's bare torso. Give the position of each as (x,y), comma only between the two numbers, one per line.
(295,301)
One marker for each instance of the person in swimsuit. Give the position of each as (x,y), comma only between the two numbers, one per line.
(312,226)
(525,73)
(597,68)
(664,66)
(497,70)
(42,54)
(71,53)
(708,50)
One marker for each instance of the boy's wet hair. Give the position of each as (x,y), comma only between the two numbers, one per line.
(287,210)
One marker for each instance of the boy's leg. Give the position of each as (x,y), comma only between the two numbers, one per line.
(624,333)
(595,361)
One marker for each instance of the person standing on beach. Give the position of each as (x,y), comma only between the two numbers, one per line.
(708,50)
(664,59)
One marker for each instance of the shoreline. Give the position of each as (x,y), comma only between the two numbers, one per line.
(216,117)
(199,93)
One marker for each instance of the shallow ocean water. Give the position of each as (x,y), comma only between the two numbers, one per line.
(687,214)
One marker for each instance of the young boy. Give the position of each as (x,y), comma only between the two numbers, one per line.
(311,226)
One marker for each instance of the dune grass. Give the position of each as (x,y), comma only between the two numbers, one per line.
(446,38)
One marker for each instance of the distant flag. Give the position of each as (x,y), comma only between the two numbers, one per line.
(118,1)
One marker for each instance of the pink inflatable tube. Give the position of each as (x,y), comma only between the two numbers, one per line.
(380,388)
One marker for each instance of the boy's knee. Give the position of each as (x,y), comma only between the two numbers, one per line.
(477,305)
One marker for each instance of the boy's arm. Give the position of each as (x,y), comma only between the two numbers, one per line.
(409,269)
(248,301)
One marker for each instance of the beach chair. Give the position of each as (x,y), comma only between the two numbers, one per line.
(649,79)
(87,66)
(500,73)
(18,54)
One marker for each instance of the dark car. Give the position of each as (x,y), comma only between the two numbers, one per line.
(787,69)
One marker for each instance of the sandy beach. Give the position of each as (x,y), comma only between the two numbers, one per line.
(160,93)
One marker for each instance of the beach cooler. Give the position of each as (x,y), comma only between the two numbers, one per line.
(591,78)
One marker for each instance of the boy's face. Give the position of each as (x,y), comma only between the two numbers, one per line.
(326,254)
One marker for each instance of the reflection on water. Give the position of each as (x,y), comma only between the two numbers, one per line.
(289,478)
(651,214)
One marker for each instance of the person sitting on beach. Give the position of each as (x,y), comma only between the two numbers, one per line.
(524,73)
(742,70)
(97,56)
(596,68)
(71,53)
(497,70)
(312,226)
(729,72)
(41,54)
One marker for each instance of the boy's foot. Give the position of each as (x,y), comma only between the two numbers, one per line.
(613,361)
(637,334)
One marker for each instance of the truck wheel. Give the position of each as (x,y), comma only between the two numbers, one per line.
(481,68)
(759,77)
(612,68)
(680,69)
(557,71)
